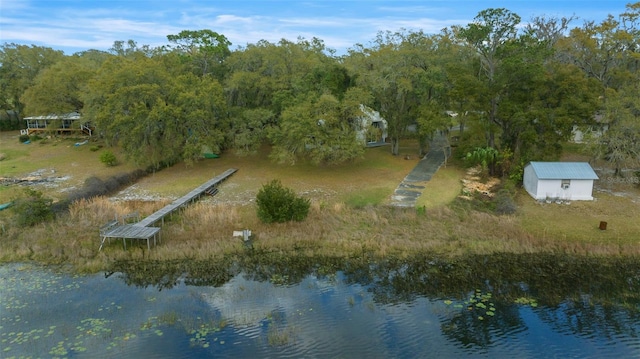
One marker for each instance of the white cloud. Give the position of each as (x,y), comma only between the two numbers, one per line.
(14,5)
(341,24)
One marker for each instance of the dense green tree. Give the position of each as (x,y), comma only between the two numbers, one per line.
(249,130)
(488,35)
(130,48)
(276,76)
(462,85)
(319,129)
(388,75)
(521,89)
(156,116)
(19,66)
(267,82)
(205,49)
(203,114)
(620,143)
(525,96)
(60,87)
(609,53)
(429,59)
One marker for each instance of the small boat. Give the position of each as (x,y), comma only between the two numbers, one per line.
(5,205)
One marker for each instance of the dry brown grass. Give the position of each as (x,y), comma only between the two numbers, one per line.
(204,230)
(579,221)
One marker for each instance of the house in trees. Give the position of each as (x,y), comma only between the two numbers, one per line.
(559,180)
(65,123)
(371,128)
(598,128)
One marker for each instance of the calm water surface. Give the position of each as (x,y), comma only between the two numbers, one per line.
(45,313)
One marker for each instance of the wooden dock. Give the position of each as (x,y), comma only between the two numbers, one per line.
(131,231)
(143,229)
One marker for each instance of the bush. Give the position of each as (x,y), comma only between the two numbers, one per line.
(94,186)
(94,148)
(23,138)
(32,209)
(108,158)
(504,202)
(280,204)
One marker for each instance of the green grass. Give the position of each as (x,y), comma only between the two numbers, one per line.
(378,170)
(58,157)
(443,187)
(579,221)
(368,197)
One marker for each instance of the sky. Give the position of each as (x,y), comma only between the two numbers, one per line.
(79,25)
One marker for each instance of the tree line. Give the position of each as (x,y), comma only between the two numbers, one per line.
(516,91)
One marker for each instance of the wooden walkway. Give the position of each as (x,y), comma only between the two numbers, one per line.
(142,229)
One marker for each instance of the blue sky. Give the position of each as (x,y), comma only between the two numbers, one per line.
(78,25)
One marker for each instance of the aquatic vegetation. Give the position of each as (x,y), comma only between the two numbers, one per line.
(169,318)
(279,279)
(279,336)
(94,326)
(479,303)
(200,336)
(526,301)
(482,303)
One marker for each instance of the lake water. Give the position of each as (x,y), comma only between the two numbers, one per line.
(392,310)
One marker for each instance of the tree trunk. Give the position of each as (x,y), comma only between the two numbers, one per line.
(395,146)
(424,146)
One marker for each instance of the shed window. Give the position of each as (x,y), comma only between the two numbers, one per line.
(565,183)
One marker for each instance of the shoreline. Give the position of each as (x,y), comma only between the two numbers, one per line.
(204,231)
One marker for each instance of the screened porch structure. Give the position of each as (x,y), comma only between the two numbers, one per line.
(66,123)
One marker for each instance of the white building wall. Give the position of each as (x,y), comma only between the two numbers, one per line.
(530,181)
(579,190)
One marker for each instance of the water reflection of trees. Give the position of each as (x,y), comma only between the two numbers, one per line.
(465,328)
(168,274)
(585,318)
(579,295)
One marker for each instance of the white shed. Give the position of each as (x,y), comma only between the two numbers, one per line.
(559,180)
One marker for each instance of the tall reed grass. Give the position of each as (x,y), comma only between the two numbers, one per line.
(205,231)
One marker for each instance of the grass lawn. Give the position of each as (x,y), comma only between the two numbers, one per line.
(56,157)
(579,221)
(443,188)
(369,180)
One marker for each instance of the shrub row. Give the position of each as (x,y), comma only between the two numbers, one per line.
(94,186)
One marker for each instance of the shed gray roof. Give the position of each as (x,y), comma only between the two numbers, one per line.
(563,170)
